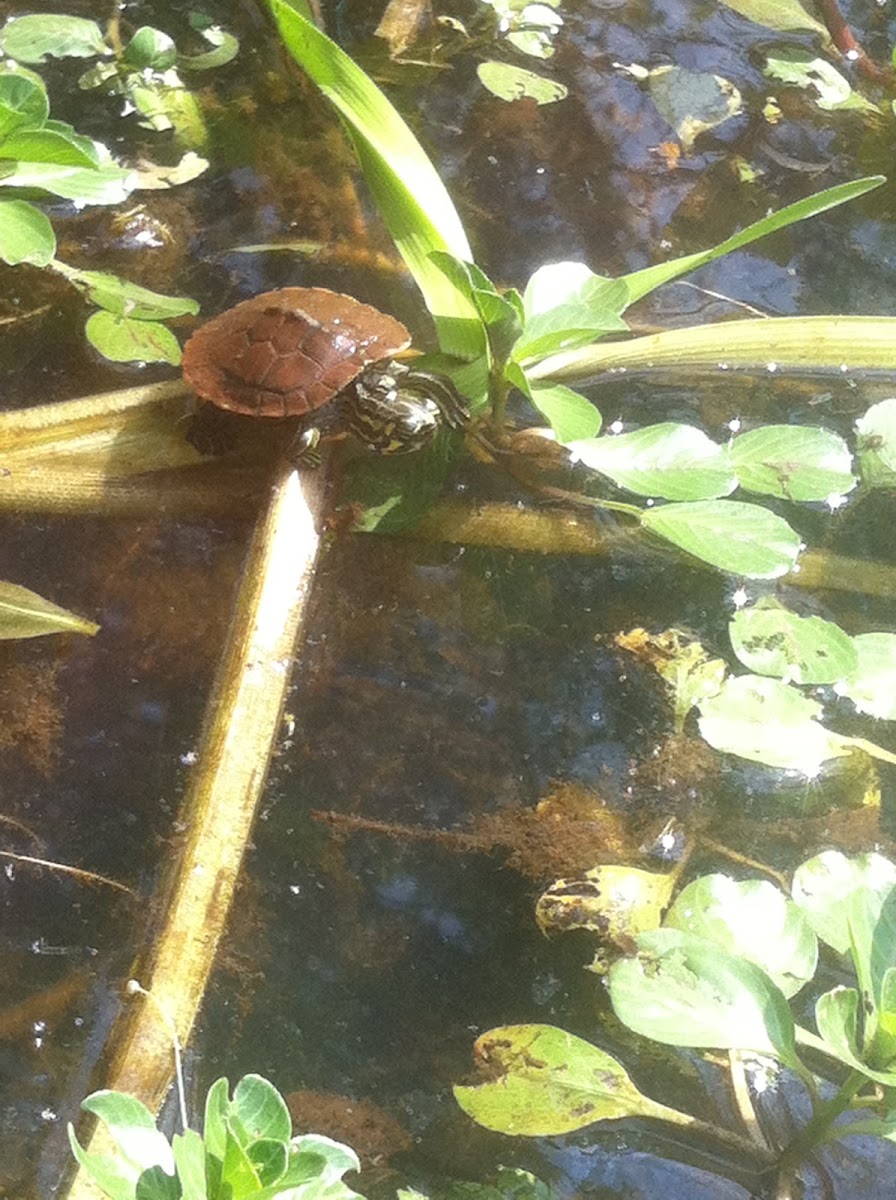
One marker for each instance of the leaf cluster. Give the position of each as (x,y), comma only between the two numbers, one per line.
(246,1149)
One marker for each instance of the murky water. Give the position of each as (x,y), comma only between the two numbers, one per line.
(442,690)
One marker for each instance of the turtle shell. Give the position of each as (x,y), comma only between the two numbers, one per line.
(286,353)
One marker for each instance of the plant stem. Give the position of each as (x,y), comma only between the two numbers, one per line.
(817,1128)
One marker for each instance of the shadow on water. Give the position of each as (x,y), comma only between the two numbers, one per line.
(386,913)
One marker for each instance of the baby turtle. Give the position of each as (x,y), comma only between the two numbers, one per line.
(323,361)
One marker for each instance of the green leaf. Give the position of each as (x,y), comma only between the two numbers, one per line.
(34,39)
(566,305)
(766,721)
(823,885)
(685,991)
(115,1177)
(127,299)
(60,146)
(693,102)
(189,1158)
(123,339)
(794,462)
(214,1128)
(802,68)
(570,414)
(225,48)
(876,444)
(155,1184)
(238,1175)
(614,901)
(26,235)
(779,14)
(108,184)
(23,100)
(871,685)
(133,1128)
(394,492)
(510,82)
(676,462)
(150,49)
(411,197)
(646,280)
(769,640)
(24,614)
(542,1082)
(261,1110)
(742,538)
(752,919)
(836,1015)
(269,1158)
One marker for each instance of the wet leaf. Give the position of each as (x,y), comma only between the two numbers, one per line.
(23,100)
(693,101)
(390,494)
(876,444)
(123,339)
(684,991)
(260,1109)
(509,82)
(150,48)
(616,902)
(742,538)
(794,462)
(156,177)
(871,685)
(779,14)
(753,919)
(766,721)
(769,640)
(34,39)
(107,184)
(26,235)
(677,462)
(823,885)
(133,1128)
(127,299)
(801,68)
(534,30)
(541,1082)
(24,614)
(225,48)
(570,414)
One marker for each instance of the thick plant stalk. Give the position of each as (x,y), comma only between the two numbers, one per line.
(242,723)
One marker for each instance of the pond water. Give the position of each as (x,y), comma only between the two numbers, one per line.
(386,913)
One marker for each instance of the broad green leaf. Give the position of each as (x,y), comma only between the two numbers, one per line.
(676,462)
(685,991)
(108,184)
(823,885)
(646,280)
(189,1158)
(393,493)
(238,1175)
(753,919)
(411,197)
(836,1015)
(794,462)
(742,538)
(766,721)
(510,82)
(34,39)
(214,1128)
(769,640)
(269,1158)
(127,299)
(876,444)
(261,1110)
(570,414)
(150,48)
(24,614)
(133,1128)
(26,235)
(59,146)
(541,1082)
(110,1172)
(826,86)
(693,102)
(23,100)
(871,685)
(871,915)
(567,305)
(612,900)
(156,1184)
(123,339)
(779,14)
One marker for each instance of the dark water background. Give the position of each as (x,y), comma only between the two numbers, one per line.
(438,685)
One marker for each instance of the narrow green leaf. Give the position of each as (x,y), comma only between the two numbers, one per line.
(122,339)
(674,461)
(685,991)
(24,614)
(742,538)
(26,235)
(189,1158)
(646,280)
(225,48)
(570,414)
(753,919)
(541,1082)
(871,685)
(34,39)
(794,462)
(214,1127)
(766,721)
(411,197)
(769,640)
